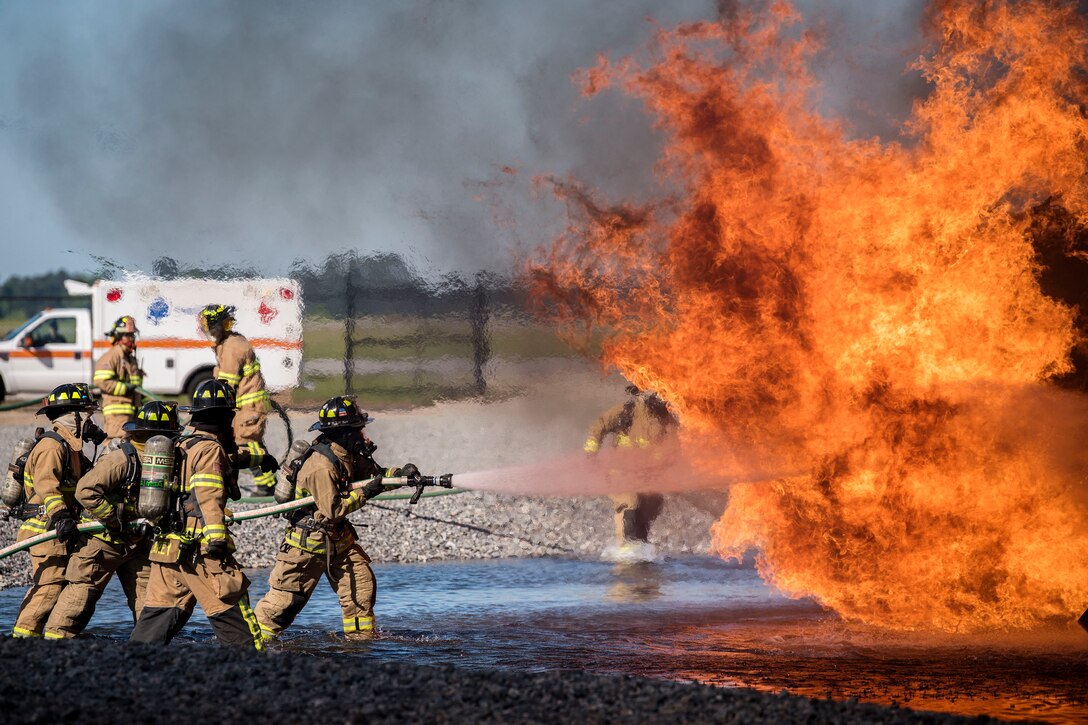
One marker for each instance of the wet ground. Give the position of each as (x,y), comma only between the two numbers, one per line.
(690,618)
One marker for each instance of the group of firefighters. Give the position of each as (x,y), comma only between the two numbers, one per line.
(187,557)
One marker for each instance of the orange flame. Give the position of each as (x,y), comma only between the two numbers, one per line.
(868,312)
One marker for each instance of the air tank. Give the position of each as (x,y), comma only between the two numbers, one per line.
(285,485)
(156,469)
(11,493)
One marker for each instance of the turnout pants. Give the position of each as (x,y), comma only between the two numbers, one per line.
(89,570)
(221,589)
(112,425)
(634,514)
(48,562)
(249,426)
(295,576)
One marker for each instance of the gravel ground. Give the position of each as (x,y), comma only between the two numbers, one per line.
(62,682)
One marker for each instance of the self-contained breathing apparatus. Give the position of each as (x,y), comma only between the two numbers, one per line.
(285,489)
(13,492)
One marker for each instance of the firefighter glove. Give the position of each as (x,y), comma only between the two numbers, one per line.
(373,488)
(408,470)
(269,463)
(217,549)
(66,528)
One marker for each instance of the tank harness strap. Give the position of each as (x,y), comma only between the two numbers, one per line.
(341,474)
(132,469)
(66,464)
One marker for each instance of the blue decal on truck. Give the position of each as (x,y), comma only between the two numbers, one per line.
(158,310)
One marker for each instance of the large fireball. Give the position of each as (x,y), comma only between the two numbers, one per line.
(868,314)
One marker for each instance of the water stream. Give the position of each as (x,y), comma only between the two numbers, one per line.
(692,618)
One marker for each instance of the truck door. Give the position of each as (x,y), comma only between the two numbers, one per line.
(50,354)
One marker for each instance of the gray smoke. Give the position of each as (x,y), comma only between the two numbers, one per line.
(258,132)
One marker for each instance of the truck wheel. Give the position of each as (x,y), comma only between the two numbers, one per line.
(3,392)
(200,377)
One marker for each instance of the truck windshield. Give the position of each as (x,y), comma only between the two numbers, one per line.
(15,333)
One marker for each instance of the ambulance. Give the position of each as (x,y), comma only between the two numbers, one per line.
(59,346)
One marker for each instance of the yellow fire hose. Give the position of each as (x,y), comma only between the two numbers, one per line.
(93,527)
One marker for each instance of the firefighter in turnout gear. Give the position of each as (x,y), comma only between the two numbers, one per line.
(237,365)
(192,560)
(109,493)
(320,540)
(641,423)
(117,376)
(52,468)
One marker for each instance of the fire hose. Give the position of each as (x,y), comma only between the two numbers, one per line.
(418,482)
(21,404)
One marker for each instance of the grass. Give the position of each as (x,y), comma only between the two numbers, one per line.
(385,338)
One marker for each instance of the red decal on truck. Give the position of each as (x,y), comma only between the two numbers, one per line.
(266,312)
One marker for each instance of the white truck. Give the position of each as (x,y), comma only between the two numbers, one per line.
(59,346)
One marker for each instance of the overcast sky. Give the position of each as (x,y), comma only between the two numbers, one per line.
(261,132)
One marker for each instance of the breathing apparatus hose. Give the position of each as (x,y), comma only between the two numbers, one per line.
(94,527)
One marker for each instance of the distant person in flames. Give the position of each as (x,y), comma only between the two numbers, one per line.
(642,424)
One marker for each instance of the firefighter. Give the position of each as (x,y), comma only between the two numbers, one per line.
(49,482)
(237,365)
(192,560)
(643,422)
(118,377)
(319,539)
(108,493)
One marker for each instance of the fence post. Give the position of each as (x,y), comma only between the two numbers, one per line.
(349,328)
(481,345)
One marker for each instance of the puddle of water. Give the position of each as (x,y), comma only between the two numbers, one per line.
(691,618)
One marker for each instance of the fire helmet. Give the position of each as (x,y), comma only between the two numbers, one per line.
(213,315)
(125,325)
(158,416)
(211,395)
(68,397)
(340,413)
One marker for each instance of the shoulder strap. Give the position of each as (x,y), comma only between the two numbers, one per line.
(191,440)
(66,458)
(132,458)
(326,450)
